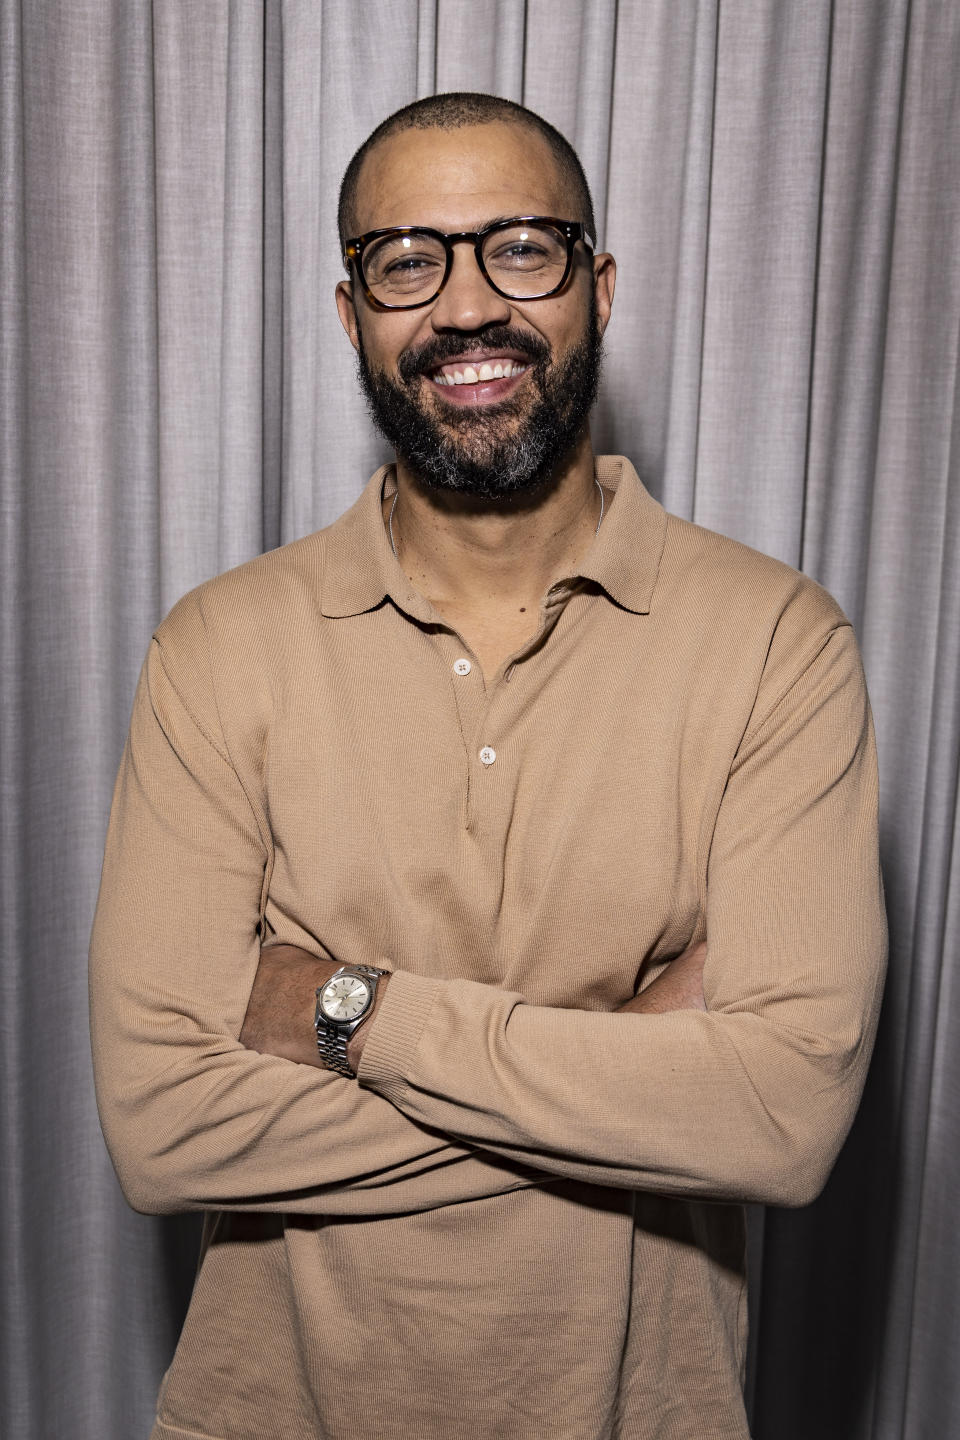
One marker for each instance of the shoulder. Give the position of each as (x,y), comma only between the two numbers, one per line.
(282,586)
(752,626)
(695,578)
(277,598)
(224,643)
(756,603)
(227,645)
(718,570)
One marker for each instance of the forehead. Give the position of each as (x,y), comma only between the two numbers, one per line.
(459,178)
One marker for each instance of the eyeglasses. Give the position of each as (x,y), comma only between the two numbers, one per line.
(526,258)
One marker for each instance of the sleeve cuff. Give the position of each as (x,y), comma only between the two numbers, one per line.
(395,1033)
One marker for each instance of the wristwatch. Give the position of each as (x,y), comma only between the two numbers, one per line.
(343,1004)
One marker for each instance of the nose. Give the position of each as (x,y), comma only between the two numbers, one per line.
(466,301)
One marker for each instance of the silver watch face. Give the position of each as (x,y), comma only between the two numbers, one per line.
(345,998)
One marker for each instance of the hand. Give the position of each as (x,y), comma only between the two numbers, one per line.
(679,987)
(282,1004)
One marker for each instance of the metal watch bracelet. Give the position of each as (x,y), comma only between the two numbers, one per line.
(332,1039)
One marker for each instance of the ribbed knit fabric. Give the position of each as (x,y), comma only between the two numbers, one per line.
(503,1231)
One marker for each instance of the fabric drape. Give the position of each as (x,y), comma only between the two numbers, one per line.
(780,186)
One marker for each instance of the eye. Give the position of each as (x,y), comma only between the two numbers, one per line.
(530,248)
(408,263)
(520,253)
(404,262)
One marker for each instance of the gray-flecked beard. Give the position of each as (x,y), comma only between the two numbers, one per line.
(496,451)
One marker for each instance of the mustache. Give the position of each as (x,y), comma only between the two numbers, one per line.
(434,352)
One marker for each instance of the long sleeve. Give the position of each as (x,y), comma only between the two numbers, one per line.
(750,1100)
(192,1119)
(689,754)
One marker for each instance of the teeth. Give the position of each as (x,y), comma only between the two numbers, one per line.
(500,370)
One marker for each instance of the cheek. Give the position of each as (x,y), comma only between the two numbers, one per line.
(384,338)
(563,319)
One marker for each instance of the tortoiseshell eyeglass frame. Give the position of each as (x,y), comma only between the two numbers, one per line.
(570,230)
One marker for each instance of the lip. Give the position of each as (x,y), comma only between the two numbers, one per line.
(484,392)
(477,357)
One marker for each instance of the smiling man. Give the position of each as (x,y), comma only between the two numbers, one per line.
(491,900)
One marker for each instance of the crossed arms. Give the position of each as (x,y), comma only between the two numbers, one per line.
(465,1089)
(279,1015)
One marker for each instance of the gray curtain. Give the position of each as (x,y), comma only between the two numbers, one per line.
(779,182)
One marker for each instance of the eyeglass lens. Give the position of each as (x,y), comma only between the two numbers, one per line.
(522,260)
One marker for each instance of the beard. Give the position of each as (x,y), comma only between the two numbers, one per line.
(490,452)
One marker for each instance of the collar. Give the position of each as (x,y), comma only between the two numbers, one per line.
(624,558)
(361,570)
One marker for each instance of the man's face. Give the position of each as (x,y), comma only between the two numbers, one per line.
(499,435)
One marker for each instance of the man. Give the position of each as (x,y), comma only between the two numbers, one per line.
(581,801)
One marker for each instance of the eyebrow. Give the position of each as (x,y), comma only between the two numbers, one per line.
(472,230)
(498,219)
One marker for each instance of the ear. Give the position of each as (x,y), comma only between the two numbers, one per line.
(347,311)
(604,283)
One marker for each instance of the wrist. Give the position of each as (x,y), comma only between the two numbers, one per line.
(345,1004)
(280,1006)
(359,1037)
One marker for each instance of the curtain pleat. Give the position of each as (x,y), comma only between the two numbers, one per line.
(780,186)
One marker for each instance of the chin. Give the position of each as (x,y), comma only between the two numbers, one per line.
(490,452)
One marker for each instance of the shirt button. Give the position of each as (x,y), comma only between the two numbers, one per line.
(462,666)
(488,755)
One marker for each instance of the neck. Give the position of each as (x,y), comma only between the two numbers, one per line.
(460,550)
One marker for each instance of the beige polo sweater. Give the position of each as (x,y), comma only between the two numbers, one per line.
(509,1227)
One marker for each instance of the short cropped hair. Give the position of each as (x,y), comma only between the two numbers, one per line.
(450,111)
